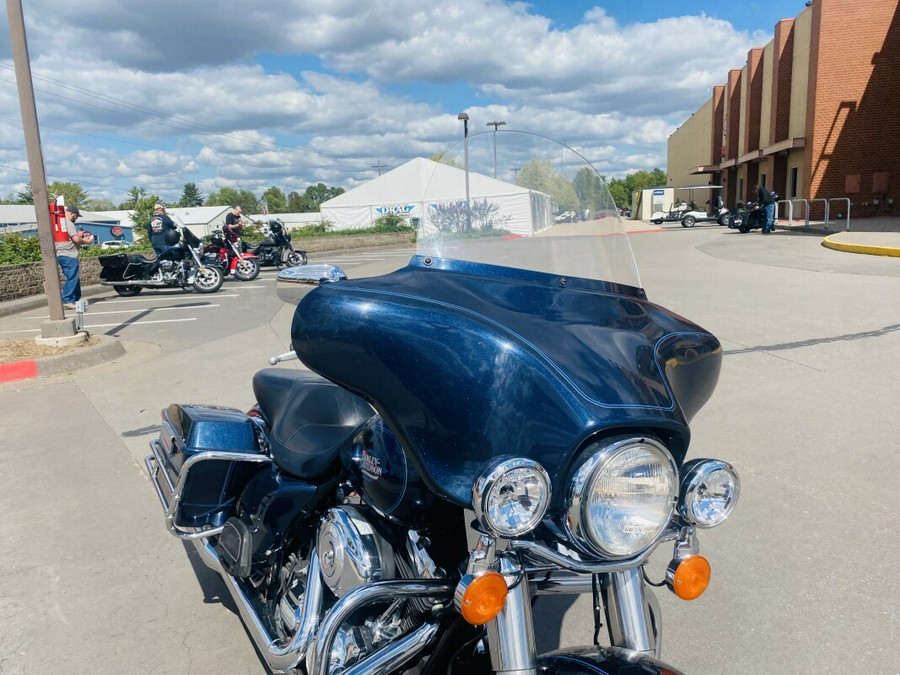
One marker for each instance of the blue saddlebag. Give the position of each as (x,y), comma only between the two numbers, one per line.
(201,462)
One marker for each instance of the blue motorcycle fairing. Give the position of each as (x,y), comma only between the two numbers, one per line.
(469,362)
(602,661)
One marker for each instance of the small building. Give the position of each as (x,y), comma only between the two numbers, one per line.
(648,201)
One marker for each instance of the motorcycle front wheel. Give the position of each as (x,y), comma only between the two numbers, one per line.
(246,269)
(295,258)
(128,291)
(208,280)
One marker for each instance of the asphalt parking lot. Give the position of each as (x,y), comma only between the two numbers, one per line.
(168,317)
(803,573)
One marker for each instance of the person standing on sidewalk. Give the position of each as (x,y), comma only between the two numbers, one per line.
(767,199)
(67,257)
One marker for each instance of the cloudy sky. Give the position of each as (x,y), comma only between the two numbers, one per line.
(296,92)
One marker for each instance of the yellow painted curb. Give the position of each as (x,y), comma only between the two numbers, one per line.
(861,248)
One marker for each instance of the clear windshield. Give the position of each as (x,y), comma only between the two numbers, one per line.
(521,200)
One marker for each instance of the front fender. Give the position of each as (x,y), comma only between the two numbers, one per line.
(601,661)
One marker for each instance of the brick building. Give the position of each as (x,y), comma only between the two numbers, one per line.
(814,114)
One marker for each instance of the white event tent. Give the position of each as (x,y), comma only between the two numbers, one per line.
(421,184)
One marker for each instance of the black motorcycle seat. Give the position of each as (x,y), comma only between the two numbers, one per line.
(310,419)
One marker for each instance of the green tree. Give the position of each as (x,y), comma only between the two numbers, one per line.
(274,199)
(621,189)
(99,205)
(295,202)
(590,189)
(539,175)
(135,195)
(316,194)
(228,196)
(72,193)
(190,196)
(141,213)
(26,196)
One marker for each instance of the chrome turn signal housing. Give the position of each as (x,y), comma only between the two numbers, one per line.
(709,491)
(511,496)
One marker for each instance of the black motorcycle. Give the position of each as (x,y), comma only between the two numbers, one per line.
(503,418)
(753,217)
(178,267)
(276,250)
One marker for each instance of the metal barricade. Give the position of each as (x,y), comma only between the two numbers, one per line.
(790,210)
(805,203)
(824,201)
(827,208)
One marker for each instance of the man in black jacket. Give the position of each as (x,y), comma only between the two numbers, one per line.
(767,199)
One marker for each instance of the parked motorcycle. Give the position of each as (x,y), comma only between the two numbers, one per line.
(753,217)
(179,266)
(505,417)
(226,252)
(276,250)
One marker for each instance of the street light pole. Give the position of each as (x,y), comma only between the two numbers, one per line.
(58,325)
(465,120)
(495,125)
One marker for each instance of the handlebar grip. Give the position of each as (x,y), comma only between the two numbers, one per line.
(288,356)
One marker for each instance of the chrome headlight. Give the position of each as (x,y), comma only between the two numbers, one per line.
(709,490)
(622,497)
(511,496)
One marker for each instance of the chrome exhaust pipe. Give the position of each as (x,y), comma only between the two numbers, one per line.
(390,658)
(278,658)
(380,591)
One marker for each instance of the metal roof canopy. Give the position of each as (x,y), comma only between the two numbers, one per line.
(701,187)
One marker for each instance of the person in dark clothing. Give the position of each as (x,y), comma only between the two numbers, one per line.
(767,199)
(157,228)
(234,226)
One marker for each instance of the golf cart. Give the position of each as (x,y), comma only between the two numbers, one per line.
(716,211)
(673,215)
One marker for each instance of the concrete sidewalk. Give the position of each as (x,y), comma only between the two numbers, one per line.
(867,236)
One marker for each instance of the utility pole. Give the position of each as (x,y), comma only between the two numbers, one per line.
(58,326)
(379,166)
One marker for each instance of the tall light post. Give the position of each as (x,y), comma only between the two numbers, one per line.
(495,125)
(465,120)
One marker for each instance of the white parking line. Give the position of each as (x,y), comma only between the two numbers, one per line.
(159,298)
(102,325)
(132,311)
(142,323)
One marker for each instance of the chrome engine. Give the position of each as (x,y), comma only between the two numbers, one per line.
(168,271)
(351,552)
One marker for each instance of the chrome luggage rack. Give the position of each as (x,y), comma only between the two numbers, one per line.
(170,494)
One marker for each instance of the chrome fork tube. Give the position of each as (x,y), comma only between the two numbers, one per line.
(511,634)
(628,612)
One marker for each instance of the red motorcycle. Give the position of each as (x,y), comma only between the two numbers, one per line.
(225,250)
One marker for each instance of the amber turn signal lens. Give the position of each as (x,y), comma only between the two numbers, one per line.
(688,577)
(481,598)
